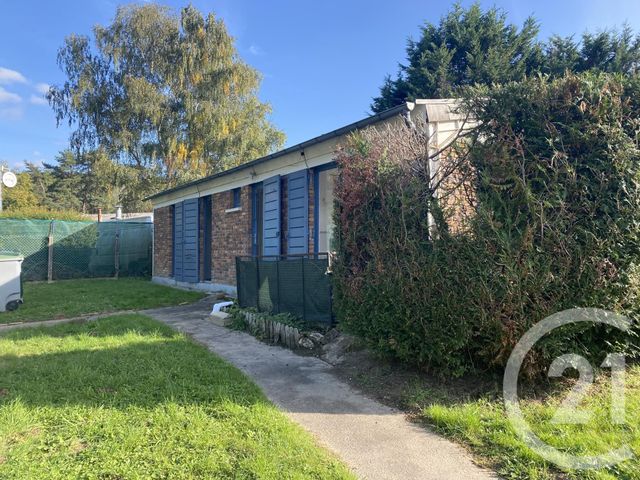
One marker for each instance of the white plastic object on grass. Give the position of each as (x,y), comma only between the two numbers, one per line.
(217,307)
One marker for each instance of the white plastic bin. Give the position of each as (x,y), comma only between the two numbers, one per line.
(10,282)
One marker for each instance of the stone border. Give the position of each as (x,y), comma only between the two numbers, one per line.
(273,332)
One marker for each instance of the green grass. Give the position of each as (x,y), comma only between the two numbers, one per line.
(482,425)
(71,298)
(127,397)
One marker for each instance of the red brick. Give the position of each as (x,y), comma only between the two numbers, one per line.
(163,241)
(231,235)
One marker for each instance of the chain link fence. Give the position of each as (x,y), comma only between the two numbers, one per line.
(57,250)
(296,284)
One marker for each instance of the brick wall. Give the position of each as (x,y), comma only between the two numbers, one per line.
(231,235)
(163,241)
(456,194)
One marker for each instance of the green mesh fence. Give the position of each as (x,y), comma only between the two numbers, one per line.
(298,285)
(78,249)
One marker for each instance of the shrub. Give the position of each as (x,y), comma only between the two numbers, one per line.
(551,178)
(38,213)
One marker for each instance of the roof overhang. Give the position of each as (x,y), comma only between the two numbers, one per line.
(436,111)
(441,110)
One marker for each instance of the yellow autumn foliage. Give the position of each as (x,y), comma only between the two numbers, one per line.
(181,152)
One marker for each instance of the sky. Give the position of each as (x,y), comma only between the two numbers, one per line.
(322,61)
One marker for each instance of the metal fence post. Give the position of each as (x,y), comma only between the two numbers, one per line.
(238,289)
(278,284)
(257,284)
(304,296)
(50,253)
(116,251)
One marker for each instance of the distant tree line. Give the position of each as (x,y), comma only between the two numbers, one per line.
(80,183)
(475,47)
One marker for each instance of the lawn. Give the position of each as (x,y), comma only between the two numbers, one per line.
(127,397)
(71,298)
(481,424)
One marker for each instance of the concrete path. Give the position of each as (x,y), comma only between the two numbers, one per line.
(5,327)
(377,442)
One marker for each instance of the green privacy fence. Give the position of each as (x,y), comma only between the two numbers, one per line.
(57,250)
(296,284)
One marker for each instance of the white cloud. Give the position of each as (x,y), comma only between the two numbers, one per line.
(8,76)
(38,100)
(256,50)
(42,88)
(9,97)
(11,113)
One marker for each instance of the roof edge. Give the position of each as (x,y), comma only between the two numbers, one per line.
(402,108)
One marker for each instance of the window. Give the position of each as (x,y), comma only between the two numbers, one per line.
(326,182)
(235,198)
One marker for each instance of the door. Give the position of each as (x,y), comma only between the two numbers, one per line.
(298,213)
(271,216)
(185,241)
(190,241)
(178,224)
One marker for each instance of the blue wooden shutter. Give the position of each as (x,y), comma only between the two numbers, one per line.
(178,223)
(298,213)
(271,216)
(190,243)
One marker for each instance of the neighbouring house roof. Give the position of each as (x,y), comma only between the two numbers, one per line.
(437,110)
(145,217)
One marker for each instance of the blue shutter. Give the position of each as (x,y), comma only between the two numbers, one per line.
(190,242)
(298,213)
(178,224)
(271,216)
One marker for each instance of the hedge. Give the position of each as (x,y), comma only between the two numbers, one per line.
(549,186)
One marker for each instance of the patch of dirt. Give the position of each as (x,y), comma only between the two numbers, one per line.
(106,390)
(4,392)
(77,446)
(20,437)
(407,388)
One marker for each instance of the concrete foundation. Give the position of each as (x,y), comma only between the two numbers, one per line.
(208,287)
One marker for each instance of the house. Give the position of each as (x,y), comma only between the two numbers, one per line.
(280,204)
